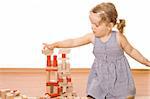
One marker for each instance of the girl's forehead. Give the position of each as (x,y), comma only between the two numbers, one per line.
(98,14)
(95,16)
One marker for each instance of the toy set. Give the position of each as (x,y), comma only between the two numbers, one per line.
(58,82)
(58,79)
(11,94)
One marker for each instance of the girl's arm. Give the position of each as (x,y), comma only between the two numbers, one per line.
(132,52)
(69,43)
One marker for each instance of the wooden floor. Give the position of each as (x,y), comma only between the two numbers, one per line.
(142,97)
(31,82)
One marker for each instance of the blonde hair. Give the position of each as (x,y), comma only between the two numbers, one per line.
(109,14)
(121,25)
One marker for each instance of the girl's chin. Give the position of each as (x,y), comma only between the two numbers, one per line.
(97,35)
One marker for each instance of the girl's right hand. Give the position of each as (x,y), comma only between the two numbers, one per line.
(48,49)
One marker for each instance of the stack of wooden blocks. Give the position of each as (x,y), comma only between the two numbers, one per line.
(58,82)
(11,94)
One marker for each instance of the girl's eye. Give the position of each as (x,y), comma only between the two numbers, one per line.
(96,25)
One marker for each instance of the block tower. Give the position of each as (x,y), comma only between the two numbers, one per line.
(58,82)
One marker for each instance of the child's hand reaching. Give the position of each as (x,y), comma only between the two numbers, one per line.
(47,49)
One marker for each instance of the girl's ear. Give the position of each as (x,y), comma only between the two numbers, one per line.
(111,25)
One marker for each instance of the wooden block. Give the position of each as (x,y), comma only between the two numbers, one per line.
(47,52)
(4,92)
(24,97)
(9,96)
(64,50)
(46,96)
(70,97)
(69,89)
(15,92)
(48,76)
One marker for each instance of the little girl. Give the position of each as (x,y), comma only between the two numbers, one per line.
(110,76)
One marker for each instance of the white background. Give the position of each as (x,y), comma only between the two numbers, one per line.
(26,24)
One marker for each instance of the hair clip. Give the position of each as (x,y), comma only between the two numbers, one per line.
(101,12)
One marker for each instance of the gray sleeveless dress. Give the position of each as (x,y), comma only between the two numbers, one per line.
(110,74)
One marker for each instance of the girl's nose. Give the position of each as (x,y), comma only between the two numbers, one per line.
(94,26)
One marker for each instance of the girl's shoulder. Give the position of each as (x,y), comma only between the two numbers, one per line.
(121,39)
(120,36)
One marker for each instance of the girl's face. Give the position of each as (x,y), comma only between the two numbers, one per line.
(99,27)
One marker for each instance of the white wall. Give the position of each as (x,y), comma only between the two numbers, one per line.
(26,24)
